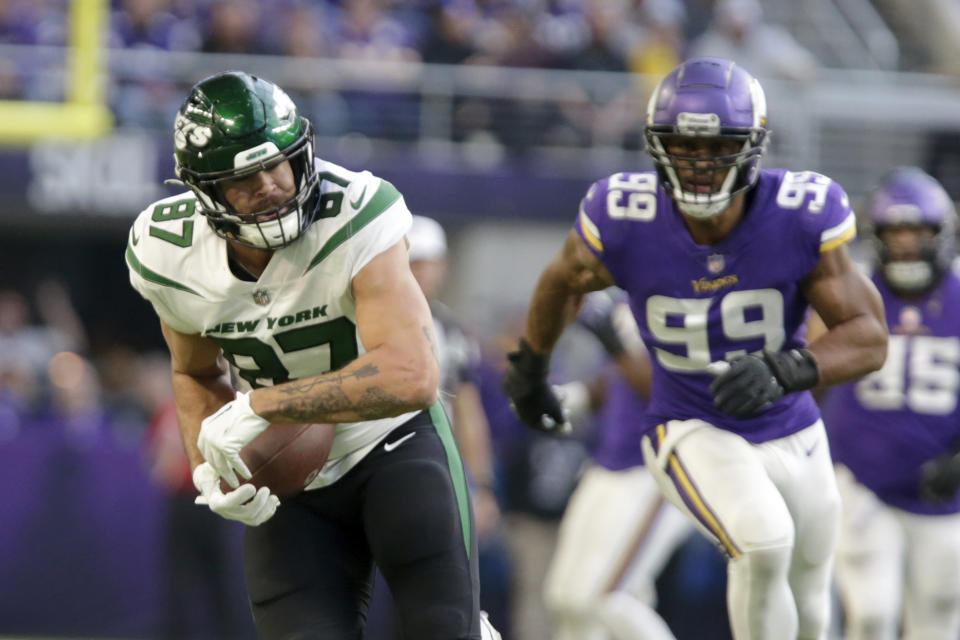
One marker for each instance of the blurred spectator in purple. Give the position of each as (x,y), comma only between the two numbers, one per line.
(42,22)
(234,26)
(610,36)
(31,345)
(448,36)
(653,47)
(659,45)
(152,24)
(739,33)
(141,96)
(365,32)
(28,349)
(75,399)
(303,30)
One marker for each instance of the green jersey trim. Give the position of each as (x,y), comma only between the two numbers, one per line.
(152,276)
(455,465)
(382,200)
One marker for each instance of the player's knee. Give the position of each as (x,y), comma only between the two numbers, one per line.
(767,565)
(762,527)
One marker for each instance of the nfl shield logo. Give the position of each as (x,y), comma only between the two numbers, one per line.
(261,297)
(715,263)
(910,319)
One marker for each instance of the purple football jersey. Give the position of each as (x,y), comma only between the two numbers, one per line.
(696,304)
(887,424)
(620,427)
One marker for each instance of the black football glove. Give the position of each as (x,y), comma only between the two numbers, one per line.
(755,381)
(531,396)
(596,316)
(940,478)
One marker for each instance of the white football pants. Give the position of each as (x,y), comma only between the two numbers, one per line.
(772,508)
(890,561)
(616,535)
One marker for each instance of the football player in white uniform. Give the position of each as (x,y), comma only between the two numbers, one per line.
(291,274)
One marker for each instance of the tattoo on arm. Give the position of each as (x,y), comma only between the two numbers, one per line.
(296,387)
(331,400)
(371,404)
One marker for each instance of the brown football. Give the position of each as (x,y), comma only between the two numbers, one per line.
(286,457)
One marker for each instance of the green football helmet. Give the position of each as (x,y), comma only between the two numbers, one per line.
(231,125)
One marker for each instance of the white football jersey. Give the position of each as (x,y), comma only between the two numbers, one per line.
(299,318)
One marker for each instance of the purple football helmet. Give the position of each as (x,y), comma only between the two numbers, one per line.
(907,196)
(714,104)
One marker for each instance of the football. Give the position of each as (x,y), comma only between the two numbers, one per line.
(286,457)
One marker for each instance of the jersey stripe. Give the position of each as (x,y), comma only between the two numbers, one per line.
(455,464)
(590,232)
(152,276)
(840,234)
(382,200)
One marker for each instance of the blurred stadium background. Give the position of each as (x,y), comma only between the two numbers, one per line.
(491,116)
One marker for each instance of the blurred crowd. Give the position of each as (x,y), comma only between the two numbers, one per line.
(638,36)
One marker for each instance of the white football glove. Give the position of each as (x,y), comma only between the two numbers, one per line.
(575,398)
(225,433)
(247,504)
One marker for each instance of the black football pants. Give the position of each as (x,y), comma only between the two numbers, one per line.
(309,569)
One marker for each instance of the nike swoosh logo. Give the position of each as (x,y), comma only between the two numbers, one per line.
(810,451)
(390,446)
(356,203)
(135,238)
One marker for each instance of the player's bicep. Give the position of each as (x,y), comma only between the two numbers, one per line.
(391,309)
(580,269)
(839,291)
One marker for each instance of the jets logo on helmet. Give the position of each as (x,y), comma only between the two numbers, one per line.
(706,130)
(230,126)
(187,131)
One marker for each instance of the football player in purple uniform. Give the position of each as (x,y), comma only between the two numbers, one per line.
(721,260)
(893,433)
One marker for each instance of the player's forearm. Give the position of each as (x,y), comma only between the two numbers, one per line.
(198,397)
(472,433)
(851,349)
(638,372)
(553,307)
(384,382)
